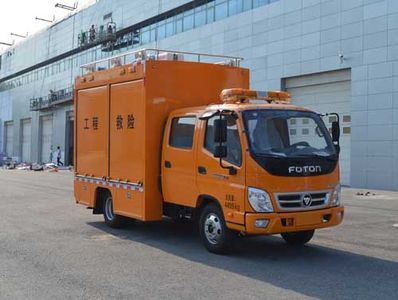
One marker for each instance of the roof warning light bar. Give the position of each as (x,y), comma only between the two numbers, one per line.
(244,96)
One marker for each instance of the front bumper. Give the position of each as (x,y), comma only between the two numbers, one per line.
(295,221)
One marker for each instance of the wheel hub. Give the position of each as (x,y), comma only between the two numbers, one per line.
(213,229)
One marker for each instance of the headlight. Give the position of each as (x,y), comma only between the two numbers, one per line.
(260,200)
(337,196)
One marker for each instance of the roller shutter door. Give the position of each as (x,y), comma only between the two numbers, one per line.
(9,138)
(26,139)
(328,92)
(46,138)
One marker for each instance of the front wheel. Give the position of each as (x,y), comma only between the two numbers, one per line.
(214,233)
(298,238)
(110,218)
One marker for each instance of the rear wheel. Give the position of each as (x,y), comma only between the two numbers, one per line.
(298,238)
(110,218)
(214,233)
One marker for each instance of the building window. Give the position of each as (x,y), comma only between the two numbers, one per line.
(152,30)
(145,37)
(346,119)
(234,7)
(169,27)
(200,16)
(188,21)
(258,3)
(221,10)
(162,30)
(210,12)
(332,119)
(247,5)
(346,130)
(178,24)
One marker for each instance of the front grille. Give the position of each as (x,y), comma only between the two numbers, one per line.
(303,201)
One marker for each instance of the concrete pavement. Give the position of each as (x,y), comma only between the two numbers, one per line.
(51,248)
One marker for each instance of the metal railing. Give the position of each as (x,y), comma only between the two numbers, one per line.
(52,99)
(157,54)
(97,35)
(128,40)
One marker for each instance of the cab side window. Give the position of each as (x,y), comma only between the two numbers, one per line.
(234,148)
(182,131)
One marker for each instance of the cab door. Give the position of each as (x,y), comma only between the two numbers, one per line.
(214,180)
(178,161)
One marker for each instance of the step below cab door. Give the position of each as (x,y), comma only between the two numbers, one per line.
(178,161)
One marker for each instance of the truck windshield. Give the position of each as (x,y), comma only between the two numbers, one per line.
(287,133)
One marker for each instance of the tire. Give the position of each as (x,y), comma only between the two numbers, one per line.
(298,238)
(111,219)
(215,235)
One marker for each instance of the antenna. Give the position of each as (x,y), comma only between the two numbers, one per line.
(5,44)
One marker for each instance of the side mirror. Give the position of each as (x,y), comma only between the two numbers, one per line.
(335,132)
(336,135)
(337,147)
(220,131)
(220,152)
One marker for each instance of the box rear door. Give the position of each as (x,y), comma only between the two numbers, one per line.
(92,123)
(127,144)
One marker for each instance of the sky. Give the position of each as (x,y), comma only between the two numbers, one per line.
(18,16)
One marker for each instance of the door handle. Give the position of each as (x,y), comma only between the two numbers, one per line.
(167,164)
(202,170)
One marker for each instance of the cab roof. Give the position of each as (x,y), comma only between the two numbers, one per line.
(238,107)
(239,99)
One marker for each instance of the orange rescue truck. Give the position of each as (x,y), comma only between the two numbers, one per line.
(154,138)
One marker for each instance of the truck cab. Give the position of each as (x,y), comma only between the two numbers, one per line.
(253,165)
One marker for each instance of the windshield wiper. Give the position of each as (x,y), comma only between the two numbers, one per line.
(273,155)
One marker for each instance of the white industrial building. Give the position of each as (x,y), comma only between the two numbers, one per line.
(331,55)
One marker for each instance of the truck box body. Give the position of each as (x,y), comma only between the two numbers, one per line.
(120,115)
